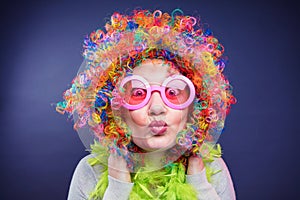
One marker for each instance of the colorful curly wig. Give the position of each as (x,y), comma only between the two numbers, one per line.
(127,42)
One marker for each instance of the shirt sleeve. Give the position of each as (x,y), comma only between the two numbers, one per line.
(83,181)
(117,190)
(220,187)
(85,178)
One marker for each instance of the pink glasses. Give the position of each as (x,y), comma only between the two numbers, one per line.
(177,92)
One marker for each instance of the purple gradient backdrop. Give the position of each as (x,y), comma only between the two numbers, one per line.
(41,53)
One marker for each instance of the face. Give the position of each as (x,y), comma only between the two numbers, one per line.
(155,125)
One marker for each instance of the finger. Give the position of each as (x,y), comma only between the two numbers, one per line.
(117,168)
(117,163)
(195,165)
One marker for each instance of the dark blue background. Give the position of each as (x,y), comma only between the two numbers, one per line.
(41,44)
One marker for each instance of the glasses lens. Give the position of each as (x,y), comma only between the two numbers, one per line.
(177,91)
(135,92)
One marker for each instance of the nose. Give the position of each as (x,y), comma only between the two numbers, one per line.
(156,104)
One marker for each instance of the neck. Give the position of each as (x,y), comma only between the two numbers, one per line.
(155,160)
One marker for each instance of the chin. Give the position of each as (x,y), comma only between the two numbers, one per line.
(155,144)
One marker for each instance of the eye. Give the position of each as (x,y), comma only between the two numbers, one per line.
(171,92)
(138,93)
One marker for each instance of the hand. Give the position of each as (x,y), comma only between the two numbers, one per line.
(117,168)
(195,165)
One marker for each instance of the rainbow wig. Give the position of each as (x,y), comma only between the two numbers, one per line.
(127,41)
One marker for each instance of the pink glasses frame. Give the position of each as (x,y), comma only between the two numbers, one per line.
(161,89)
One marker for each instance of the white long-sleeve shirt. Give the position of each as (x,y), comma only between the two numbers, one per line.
(86,177)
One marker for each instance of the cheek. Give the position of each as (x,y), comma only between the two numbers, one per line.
(178,120)
(178,117)
(136,117)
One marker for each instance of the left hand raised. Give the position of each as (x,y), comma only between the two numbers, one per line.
(195,165)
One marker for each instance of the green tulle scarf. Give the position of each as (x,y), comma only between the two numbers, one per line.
(168,183)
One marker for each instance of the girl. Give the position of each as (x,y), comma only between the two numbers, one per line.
(152,92)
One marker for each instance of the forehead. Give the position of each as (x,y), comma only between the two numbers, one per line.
(155,70)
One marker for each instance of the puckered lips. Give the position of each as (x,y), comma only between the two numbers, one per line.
(158,127)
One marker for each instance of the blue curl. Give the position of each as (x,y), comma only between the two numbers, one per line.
(103,116)
(131,25)
(207,32)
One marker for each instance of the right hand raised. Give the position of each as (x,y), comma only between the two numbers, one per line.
(117,168)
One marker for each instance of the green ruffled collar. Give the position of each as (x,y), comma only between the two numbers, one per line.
(168,183)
